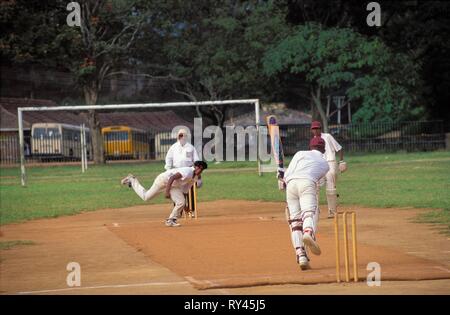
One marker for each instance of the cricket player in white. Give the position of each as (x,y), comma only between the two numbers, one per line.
(174,182)
(182,154)
(300,180)
(331,147)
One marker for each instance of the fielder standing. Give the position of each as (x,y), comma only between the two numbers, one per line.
(174,182)
(182,154)
(331,147)
(300,181)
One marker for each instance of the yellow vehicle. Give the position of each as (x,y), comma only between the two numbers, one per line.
(125,142)
(57,141)
(163,142)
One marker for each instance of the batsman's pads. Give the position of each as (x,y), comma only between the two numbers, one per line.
(316,219)
(342,166)
(332,200)
(296,227)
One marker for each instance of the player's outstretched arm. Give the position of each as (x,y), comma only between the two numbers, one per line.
(342,163)
(341,155)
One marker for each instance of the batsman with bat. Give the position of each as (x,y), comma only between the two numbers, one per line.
(300,182)
(301,179)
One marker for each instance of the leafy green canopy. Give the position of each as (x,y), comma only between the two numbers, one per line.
(379,80)
(219,51)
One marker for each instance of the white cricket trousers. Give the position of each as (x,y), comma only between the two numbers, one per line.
(301,197)
(331,192)
(159,185)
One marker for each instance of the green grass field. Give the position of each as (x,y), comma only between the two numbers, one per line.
(379,180)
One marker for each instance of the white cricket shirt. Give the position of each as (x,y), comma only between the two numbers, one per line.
(307,165)
(187,179)
(181,156)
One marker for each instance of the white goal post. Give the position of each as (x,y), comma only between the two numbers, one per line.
(21,110)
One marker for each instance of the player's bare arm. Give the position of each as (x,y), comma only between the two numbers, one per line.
(342,163)
(170,182)
(341,155)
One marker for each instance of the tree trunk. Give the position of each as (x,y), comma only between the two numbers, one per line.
(114,88)
(316,98)
(314,112)
(90,95)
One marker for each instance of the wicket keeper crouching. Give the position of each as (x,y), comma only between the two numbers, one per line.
(300,181)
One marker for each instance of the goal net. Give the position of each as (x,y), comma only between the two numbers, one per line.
(140,132)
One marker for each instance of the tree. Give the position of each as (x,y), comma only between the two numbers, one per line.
(416,28)
(331,58)
(92,52)
(214,49)
(419,28)
(108,30)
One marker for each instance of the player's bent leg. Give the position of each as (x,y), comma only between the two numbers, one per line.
(127,180)
(317,213)
(332,202)
(308,203)
(296,226)
(309,236)
(331,189)
(146,194)
(177,197)
(293,215)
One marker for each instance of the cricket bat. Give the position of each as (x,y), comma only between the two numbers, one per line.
(277,146)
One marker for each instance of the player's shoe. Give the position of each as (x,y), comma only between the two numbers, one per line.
(310,241)
(303,261)
(172,222)
(127,180)
(331,214)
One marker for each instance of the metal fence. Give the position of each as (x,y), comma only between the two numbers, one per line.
(374,137)
(132,144)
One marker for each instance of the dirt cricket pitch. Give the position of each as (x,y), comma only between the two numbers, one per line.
(235,247)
